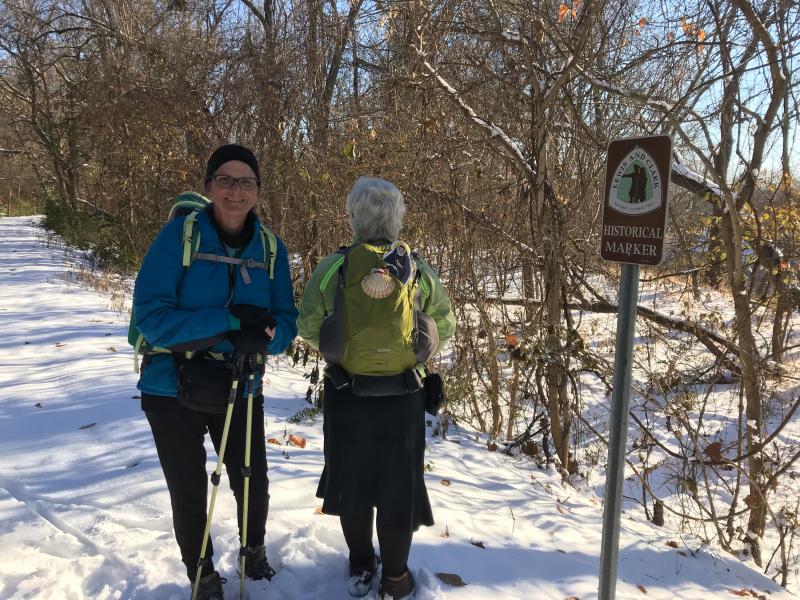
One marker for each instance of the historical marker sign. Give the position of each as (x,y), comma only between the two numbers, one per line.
(635,207)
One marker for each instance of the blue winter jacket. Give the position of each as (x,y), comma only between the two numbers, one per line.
(174,305)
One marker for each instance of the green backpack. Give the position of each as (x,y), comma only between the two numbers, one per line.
(190,204)
(377,326)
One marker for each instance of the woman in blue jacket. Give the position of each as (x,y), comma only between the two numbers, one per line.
(233,300)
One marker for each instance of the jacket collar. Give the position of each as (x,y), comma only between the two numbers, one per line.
(239,240)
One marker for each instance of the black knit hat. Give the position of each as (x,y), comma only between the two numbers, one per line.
(229,152)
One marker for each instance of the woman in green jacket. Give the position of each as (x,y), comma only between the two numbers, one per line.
(377,314)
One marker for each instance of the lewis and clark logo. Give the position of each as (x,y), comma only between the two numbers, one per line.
(636,184)
(635,202)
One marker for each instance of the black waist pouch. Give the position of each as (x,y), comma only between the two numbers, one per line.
(386,385)
(204,384)
(434,393)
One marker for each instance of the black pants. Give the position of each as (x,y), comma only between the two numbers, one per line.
(179,434)
(395,542)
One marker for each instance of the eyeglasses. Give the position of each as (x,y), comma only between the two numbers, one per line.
(247,184)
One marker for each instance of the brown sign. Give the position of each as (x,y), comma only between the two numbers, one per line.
(635,205)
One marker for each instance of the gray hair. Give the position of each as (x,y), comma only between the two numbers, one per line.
(375,209)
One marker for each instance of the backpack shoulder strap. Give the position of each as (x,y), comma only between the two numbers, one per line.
(336,267)
(270,246)
(191,238)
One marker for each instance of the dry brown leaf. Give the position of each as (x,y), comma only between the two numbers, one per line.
(445,482)
(741,592)
(641,588)
(572,598)
(273,441)
(318,511)
(672,544)
(714,452)
(512,340)
(563,9)
(530,448)
(561,509)
(451,579)
(296,440)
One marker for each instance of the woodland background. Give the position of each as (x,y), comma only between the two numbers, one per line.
(493,117)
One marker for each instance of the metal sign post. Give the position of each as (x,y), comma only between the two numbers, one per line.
(615,473)
(634,218)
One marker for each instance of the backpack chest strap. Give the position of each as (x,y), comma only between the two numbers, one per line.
(244,263)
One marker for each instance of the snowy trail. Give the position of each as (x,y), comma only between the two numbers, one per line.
(84,512)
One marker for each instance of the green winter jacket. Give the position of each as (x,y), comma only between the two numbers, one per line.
(320,291)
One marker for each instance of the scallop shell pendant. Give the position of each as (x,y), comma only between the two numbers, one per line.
(378,284)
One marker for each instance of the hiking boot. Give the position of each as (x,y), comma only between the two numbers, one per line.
(402,589)
(256,565)
(210,587)
(360,579)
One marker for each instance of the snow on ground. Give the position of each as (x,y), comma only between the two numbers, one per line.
(84,511)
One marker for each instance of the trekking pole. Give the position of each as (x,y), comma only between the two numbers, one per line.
(246,473)
(215,477)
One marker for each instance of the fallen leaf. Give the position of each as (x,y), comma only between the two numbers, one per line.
(133,464)
(672,544)
(445,482)
(572,598)
(741,592)
(512,340)
(478,544)
(563,9)
(135,397)
(561,509)
(111,349)
(318,511)
(642,22)
(87,426)
(58,344)
(296,440)
(641,588)
(273,441)
(38,405)
(451,579)
(714,452)
(492,447)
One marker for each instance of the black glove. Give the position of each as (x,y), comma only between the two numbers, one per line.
(251,339)
(252,314)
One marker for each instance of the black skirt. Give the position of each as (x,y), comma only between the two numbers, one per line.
(375,456)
